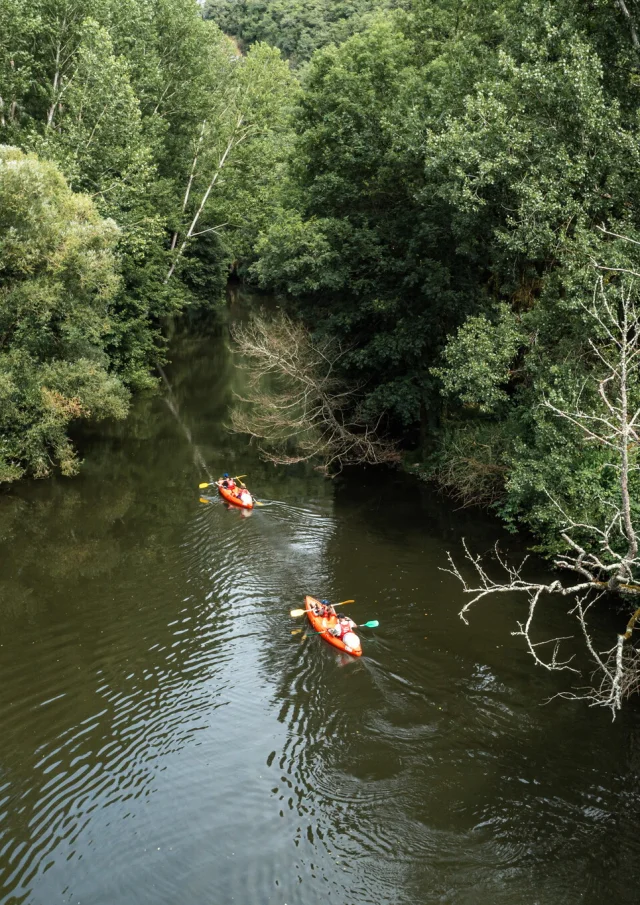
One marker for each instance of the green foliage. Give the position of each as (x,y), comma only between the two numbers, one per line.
(358,230)
(58,280)
(469,461)
(296,27)
(297,254)
(132,101)
(450,171)
(478,360)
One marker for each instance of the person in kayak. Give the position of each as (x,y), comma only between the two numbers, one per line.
(324,610)
(228,482)
(343,629)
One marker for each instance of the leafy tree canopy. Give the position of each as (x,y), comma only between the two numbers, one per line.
(58,283)
(451,170)
(149,111)
(296,27)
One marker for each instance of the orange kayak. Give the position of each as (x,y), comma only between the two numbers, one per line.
(323,623)
(237,496)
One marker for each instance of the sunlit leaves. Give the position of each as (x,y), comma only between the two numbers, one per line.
(58,281)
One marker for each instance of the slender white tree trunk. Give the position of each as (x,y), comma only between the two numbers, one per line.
(56,79)
(234,140)
(190,182)
(622,6)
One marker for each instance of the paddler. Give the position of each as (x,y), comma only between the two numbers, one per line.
(324,609)
(342,626)
(343,629)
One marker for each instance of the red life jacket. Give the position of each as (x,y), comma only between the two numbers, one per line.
(343,628)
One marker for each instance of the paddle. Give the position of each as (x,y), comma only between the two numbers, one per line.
(211,483)
(295,613)
(372,624)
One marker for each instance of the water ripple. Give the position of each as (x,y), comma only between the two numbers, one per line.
(165,738)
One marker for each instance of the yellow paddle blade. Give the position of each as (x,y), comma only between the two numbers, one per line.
(256,503)
(209,483)
(203,500)
(297,631)
(342,602)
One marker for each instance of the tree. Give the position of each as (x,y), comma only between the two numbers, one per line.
(296,27)
(16,58)
(374,268)
(295,402)
(603,556)
(232,149)
(78,107)
(58,282)
(148,109)
(622,6)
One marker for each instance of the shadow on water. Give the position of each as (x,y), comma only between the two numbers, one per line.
(165,738)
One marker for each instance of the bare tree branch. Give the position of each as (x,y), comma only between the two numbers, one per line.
(296,406)
(602,557)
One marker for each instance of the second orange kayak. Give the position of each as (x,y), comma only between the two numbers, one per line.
(323,623)
(238,496)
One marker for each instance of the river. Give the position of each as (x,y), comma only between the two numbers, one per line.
(166,739)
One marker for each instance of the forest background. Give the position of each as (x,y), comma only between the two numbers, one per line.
(436,185)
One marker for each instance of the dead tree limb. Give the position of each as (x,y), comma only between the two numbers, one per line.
(602,557)
(296,404)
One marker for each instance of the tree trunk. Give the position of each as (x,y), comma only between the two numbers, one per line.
(230,144)
(622,6)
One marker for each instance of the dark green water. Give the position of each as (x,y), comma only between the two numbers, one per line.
(166,740)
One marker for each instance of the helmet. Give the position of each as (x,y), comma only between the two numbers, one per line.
(226,474)
(324,601)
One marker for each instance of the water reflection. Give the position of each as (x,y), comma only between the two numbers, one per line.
(166,739)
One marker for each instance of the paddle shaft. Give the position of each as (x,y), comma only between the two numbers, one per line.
(296,613)
(211,483)
(373,623)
